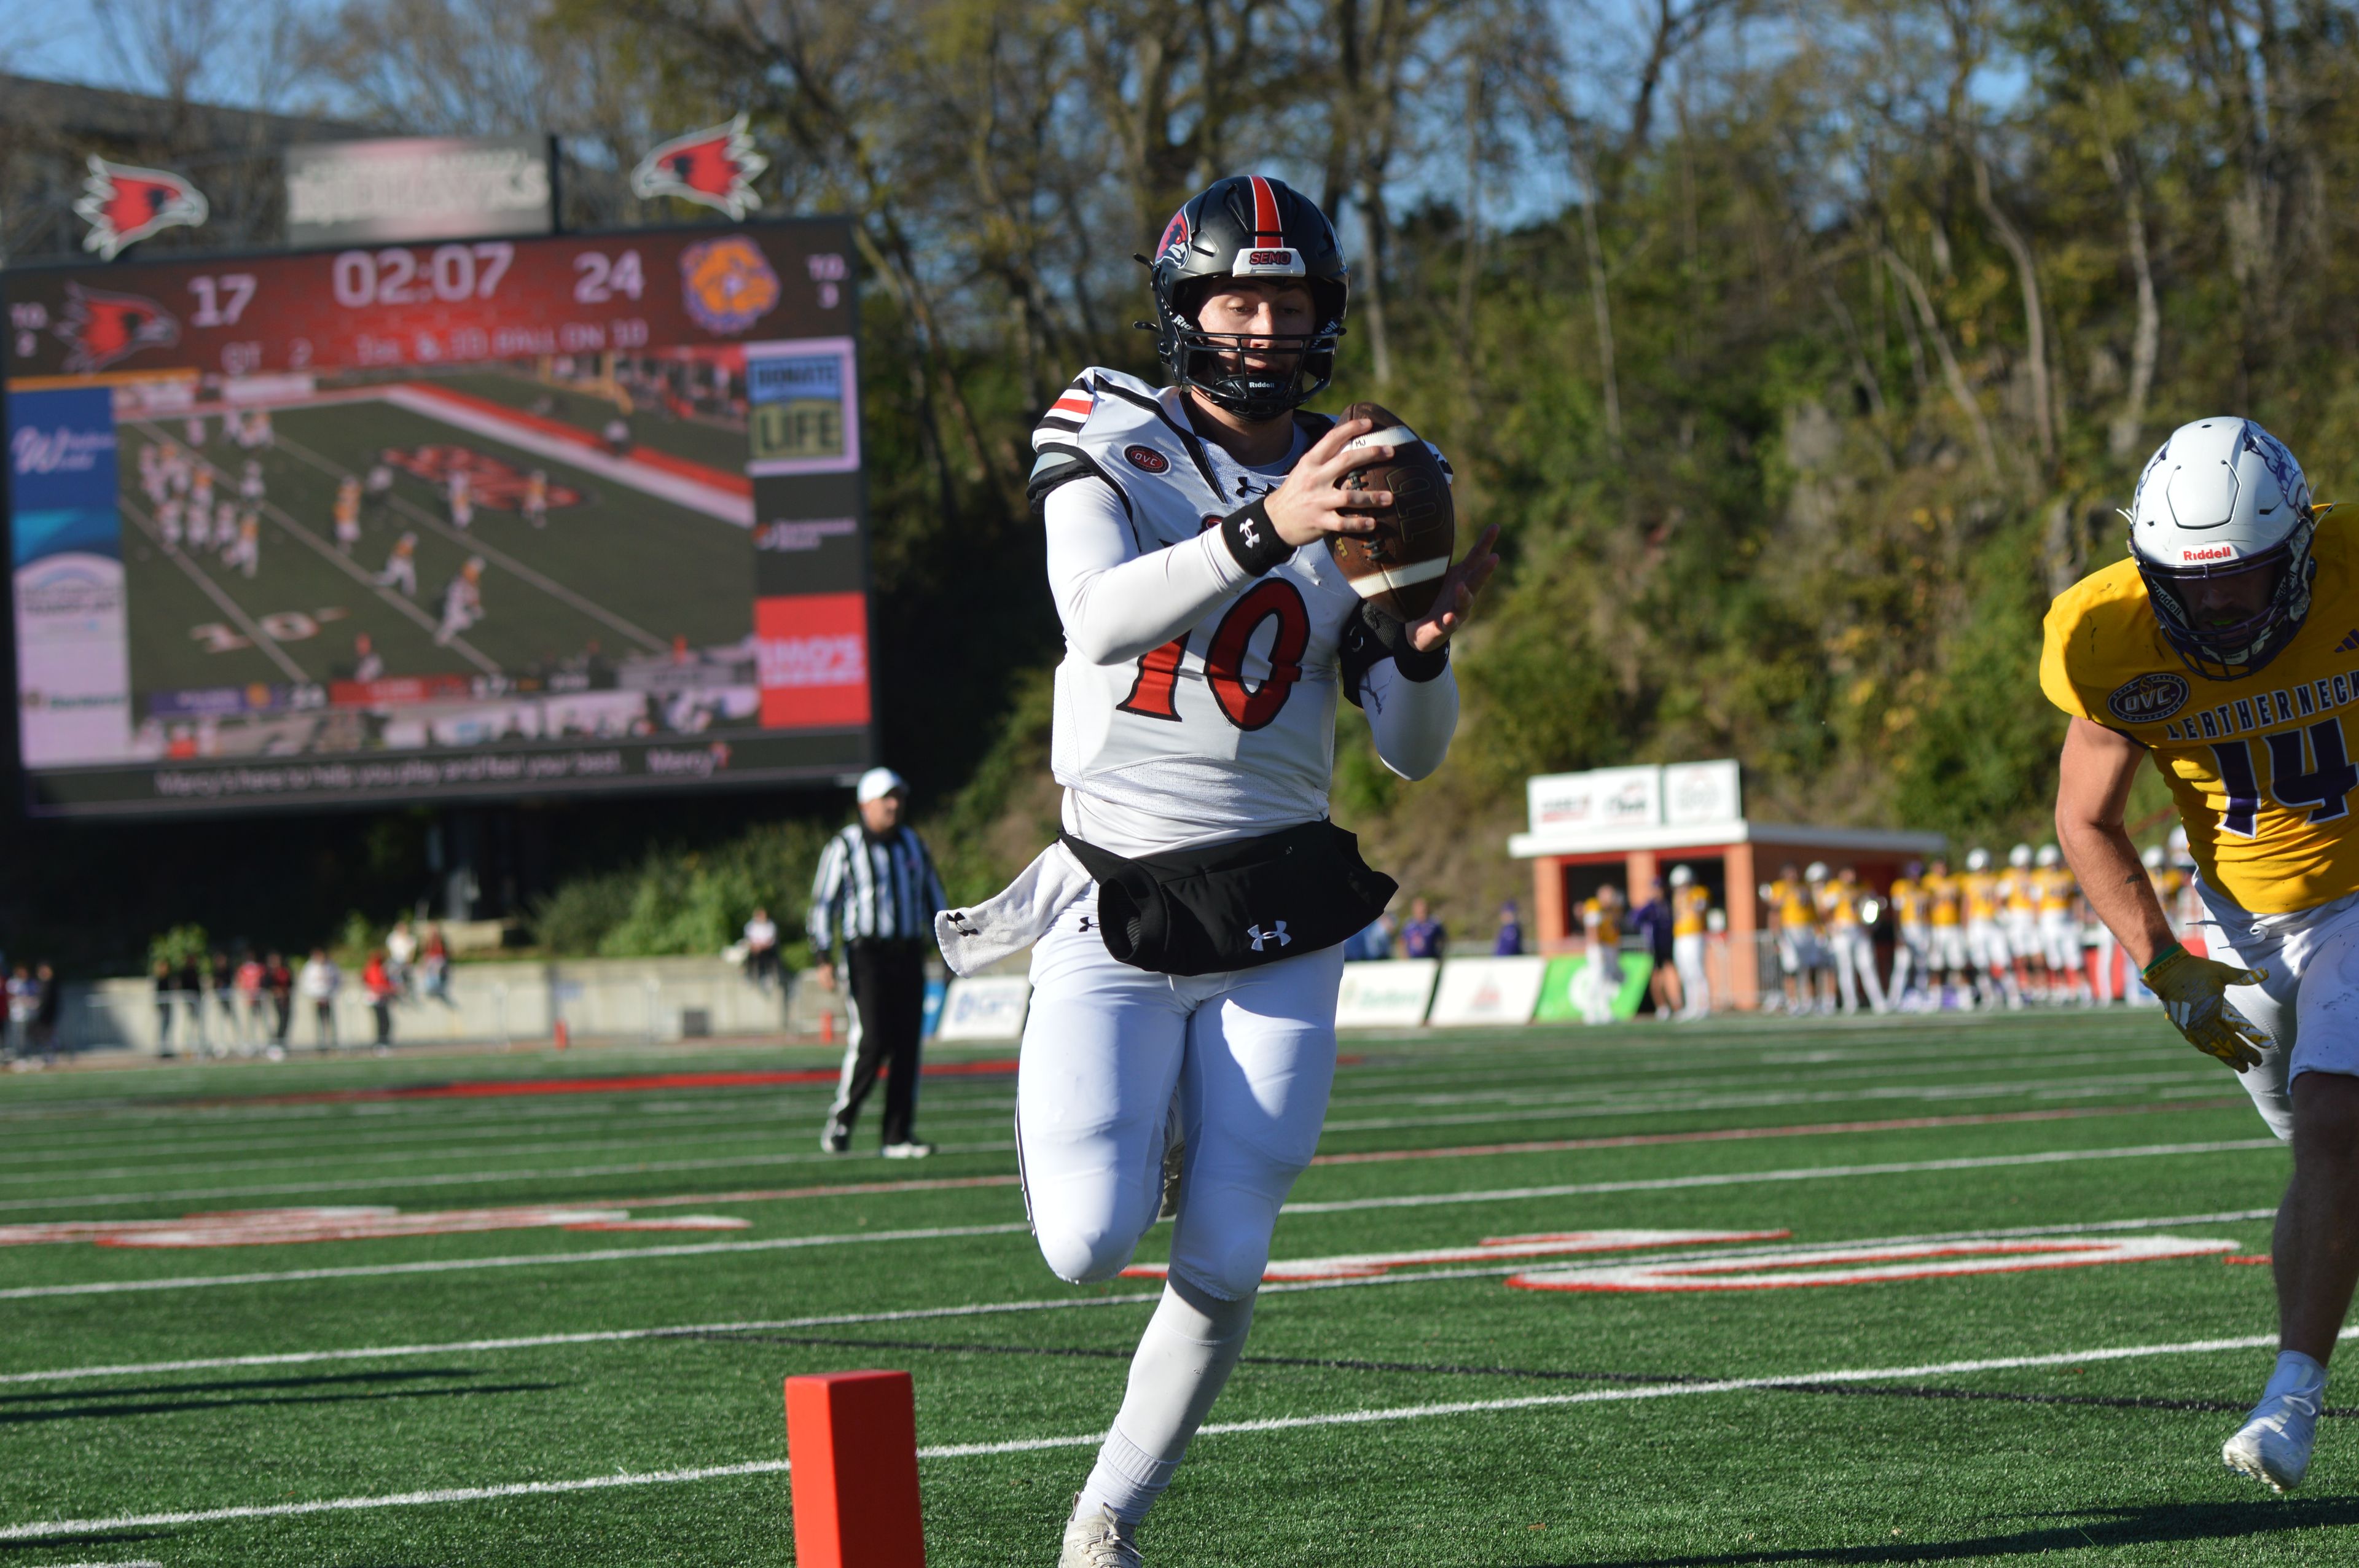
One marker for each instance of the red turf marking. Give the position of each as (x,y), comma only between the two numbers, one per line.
(627,1083)
(716,479)
(1729,1134)
(2247,1258)
(852,1189)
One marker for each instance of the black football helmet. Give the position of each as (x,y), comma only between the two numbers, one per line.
(1248,226)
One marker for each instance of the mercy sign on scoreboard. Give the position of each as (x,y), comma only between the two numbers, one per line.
(478,518)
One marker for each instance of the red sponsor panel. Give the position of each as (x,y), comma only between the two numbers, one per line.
(397,691)
(812,653)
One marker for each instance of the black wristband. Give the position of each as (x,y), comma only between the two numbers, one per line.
(1391,633)
(1253,539)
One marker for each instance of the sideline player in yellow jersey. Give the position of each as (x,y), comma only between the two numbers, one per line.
(1947,896)
(1848,942)
(2061,952)
(2018,896)
(1600,979)
(1912,956)
(2223,649)
(1691,909)
(1987,954)
(1799,954)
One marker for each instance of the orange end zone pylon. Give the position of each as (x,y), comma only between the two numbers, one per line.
(852,1439)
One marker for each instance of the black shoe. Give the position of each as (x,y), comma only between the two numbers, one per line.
(835,1138)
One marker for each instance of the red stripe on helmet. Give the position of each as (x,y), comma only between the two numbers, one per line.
(1267,227)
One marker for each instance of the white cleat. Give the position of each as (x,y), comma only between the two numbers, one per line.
(1101,1540)
(2274,1444)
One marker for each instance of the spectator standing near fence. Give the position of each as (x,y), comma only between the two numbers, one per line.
(401,955)
(872,916)
(1423,936)
(436,966)
(761,948)
(45,1016)
(376,979)
(166,988)
(250,978)
(1509,942)
(279,981)
(318,983)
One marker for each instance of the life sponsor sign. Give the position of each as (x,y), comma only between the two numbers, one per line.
(1480,992)
(985,1007)
(1389,994)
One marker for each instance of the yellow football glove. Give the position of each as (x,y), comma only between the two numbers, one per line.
(2193,993)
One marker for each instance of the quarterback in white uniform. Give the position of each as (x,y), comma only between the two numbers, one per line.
(1208,635)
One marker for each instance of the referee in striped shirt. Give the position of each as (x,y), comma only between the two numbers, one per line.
(876,894)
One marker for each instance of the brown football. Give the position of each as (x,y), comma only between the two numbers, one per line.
(1401,564)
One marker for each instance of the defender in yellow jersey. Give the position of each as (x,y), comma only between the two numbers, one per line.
(1988,957)
(2223,648)
(1691,909)
(1946,896)
(2061,953)
(1848,941)
(1801,954)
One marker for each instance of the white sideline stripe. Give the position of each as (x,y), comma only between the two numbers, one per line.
(448,1179)
(38,1529)
(1803,1173)
(522,1260)
(1338,1206)
(426,402)
(985,1309)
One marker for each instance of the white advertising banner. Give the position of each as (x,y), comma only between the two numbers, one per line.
(1387,995)
(1697,795)
(990,1007)
(418,188)
(1603,798)
(1487,991)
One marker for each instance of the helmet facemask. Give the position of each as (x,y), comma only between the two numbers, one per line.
(2228,619)
(1301,364)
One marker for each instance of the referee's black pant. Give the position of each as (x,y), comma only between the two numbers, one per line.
(888,1000)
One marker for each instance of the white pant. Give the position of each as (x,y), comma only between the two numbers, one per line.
(1913,954)
(1687,957)
(1799,950)
(1950,948)
(2059,943)
(1987,944)
(2023,934)
(1600,981)
(2309,1004)
(1251,1056)
(1855,953)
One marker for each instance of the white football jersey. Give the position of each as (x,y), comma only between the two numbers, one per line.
(1228,730)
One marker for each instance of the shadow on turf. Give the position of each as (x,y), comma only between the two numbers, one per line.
(98,1403)
(2101,1528)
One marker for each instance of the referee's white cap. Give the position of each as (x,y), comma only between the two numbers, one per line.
(876,783)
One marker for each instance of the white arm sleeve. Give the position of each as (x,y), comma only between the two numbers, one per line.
(1116,602)
(1411,720)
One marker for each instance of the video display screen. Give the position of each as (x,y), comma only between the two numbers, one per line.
(494,517)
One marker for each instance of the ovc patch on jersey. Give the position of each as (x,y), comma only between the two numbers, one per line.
(2148,698)
(1146,458)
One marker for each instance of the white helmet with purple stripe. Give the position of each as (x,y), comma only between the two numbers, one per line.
(2220,530)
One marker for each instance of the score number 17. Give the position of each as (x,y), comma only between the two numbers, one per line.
(221,299)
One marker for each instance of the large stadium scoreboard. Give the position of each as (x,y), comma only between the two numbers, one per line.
(492,517)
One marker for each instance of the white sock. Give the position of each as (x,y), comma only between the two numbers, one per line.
(1190,1345)
(2296,1374)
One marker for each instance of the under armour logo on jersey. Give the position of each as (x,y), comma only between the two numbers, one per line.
(960,924)
(2350,642)
(1085,922)
(1277,932)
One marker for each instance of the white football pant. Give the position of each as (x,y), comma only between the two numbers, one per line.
(1600,981)
(1687,957)
(1855,953)
(2309,1002)
(1251,1056)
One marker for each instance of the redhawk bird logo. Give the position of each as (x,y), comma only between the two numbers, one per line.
(102,327)
(716,166)
(123,205)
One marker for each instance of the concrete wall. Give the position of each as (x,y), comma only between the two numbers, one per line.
(613,999)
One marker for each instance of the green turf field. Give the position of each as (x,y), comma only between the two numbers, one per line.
(549,1396)
(624,570)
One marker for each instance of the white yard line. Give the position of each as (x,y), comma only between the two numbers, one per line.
(1341,1205)
(1802,1174)
(523,1260)
(45,1529)
(475,545)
